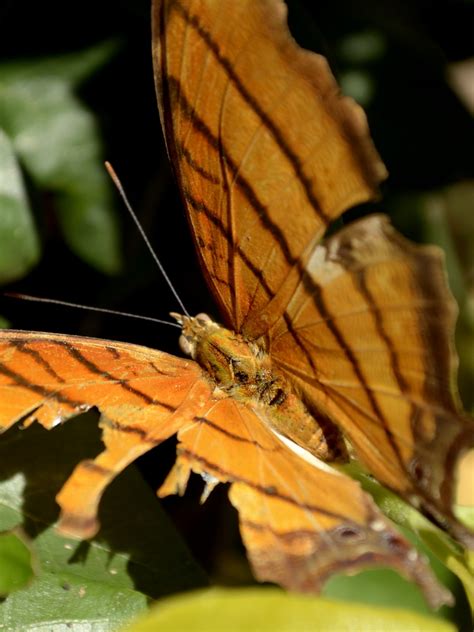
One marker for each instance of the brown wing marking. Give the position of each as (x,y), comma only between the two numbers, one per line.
(227,100)
(144,397)
(300,524)
(378,321)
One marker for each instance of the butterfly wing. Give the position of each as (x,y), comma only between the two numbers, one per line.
(267,152)
(258,133)
(371,342)
(300,525)
(143,395)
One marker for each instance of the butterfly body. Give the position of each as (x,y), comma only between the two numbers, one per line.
(242,369)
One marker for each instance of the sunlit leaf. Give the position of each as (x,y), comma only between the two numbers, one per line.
(16,568)
(269,609)
(57,140)
(19,245)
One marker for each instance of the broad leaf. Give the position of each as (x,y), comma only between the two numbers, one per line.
(19,244)
(57,140)
(16,567)
(270,609)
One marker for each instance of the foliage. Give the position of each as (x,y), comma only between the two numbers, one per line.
(46,130)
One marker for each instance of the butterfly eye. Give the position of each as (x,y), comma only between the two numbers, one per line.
(187,345)
(278,397)
(203,319)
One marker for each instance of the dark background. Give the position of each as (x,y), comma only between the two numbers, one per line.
(420,127)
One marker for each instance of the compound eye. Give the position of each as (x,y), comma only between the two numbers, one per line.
(203,319)
(187,346)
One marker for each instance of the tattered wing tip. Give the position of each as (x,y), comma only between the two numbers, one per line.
(177,479)
(77,526)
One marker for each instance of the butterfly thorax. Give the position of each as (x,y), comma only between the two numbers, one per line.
(243,370)
(238,367)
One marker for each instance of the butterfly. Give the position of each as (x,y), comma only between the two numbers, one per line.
(342,345)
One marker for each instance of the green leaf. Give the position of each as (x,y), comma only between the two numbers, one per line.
(466,514)
(270,609)
(57,140)
(19,245)
(94,585)
(16,568)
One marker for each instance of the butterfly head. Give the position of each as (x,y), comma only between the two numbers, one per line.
(194,329)
(228,359)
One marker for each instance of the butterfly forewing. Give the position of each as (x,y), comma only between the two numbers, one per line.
(258,133)
(143,395)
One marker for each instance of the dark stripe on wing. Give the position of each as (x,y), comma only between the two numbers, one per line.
(96,370)
(113,351)
(438,332)
(361,286)
(316,294)
(184,152)
(23,346)
(95,468)
(200,207)
(179,99)
(135,428)
(232,435)
(23,382)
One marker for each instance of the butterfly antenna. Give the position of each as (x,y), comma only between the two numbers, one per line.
(120,189)
(103,310)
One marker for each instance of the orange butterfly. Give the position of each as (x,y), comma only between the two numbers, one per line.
(346,338)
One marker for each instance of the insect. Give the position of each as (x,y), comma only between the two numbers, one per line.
(342,345)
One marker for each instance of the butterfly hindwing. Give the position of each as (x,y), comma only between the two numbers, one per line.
(371,341)
(300,524)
